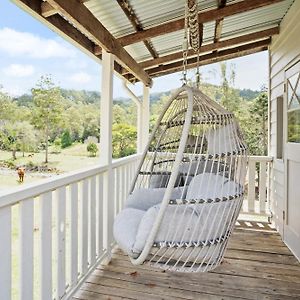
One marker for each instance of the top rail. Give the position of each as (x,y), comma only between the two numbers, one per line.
(11,197)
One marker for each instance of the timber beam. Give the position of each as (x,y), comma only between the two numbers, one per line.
(247,38)
(203,17)
(90,26)
(211,58)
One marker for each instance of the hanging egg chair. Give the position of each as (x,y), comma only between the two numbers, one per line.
(189,187)
(188,190)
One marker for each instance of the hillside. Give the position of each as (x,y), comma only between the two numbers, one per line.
(93,97)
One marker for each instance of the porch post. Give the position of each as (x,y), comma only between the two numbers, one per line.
(143,120)
(106,147)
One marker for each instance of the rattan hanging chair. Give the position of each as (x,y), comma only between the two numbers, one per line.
(188,189)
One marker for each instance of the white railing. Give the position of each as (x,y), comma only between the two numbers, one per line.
(54,233)
(257,196)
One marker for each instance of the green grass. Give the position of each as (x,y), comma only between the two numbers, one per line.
(70,159)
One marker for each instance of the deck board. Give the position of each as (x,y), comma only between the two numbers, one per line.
(257,265)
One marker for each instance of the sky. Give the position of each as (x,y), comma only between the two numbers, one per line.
(29,49)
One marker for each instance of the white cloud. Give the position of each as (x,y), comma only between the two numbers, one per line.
(16,70)
(16,43)
(80,77)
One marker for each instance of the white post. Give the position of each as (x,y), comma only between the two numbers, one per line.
(143,120)
(106,146)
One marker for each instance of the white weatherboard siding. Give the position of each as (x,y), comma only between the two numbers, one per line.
(284,52)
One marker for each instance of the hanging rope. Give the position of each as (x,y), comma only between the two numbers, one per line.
(191,38)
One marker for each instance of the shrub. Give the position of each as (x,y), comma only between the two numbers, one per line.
(92,149)
(66,139)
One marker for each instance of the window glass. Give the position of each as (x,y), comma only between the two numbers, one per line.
(293,97)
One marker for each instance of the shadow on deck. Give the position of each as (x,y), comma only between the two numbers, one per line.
(257,265)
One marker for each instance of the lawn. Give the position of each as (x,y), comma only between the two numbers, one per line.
(72,158)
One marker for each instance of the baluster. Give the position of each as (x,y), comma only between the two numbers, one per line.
(74,233)
(251,185)
(262,186)
(84,226)
(46,246)
(5,253)
(93,221)
(100,216)
(26,226)
(61,241)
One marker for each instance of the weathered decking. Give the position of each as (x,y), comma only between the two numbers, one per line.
(257,265)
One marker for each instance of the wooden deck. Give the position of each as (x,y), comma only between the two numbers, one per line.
(257,265)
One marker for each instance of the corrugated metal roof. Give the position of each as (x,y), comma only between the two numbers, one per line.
(155,12)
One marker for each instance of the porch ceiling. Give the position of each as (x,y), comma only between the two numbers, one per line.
(146,36)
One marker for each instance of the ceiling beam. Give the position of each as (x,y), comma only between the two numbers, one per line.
(247,38)
(90,26)
(219,22)
(64,28)
(203,17)
(47,10)
(135,22)
(211,58)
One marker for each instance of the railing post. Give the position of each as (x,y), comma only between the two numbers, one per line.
(143,120)
(106,145)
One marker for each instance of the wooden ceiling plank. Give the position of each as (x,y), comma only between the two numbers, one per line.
(88,24)
(135,22)
(210,58)
(213,46)
(206,16)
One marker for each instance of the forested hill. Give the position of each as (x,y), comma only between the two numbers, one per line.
(93,97)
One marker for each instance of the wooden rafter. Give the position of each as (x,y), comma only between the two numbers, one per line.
(219,22)
(206,16)
(89,25)
(211,58)
(47,10)
(247,38)
(135,22)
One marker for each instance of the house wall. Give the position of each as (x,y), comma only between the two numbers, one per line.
(284,52)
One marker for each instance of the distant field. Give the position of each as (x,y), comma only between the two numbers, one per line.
(70,159)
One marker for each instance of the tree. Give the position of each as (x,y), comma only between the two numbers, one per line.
(18,136)
(92,149)
(47,108)
(124,140)
(66,139)
(259,111)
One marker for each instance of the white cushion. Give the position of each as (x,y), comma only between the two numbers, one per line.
(125,229)
(181,223)
(221,140)
(211,186)
(145,198)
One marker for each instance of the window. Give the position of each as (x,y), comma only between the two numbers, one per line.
(279,127)
(293,109)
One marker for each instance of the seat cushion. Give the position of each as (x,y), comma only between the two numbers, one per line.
(145,198)
(125,229)
(211,186)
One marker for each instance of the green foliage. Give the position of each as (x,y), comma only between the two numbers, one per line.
(124,140)
(66,139)
(92,149)
(47,109)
